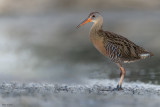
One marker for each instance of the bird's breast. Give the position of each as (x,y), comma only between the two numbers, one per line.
(98,44)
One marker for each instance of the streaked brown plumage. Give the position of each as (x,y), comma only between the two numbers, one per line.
(116,47)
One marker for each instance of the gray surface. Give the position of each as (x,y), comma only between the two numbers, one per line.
(91,93)
(39,42)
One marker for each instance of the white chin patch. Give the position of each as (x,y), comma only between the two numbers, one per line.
(93,21)
(145,55)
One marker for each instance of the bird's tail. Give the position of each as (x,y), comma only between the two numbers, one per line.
(146,54)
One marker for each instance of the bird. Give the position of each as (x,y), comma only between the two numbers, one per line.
(117,48)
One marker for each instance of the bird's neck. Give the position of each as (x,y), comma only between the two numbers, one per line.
(96,27)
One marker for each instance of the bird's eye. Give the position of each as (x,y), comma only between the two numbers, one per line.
(93,16)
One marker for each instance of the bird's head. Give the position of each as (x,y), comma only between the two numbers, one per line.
(93,17)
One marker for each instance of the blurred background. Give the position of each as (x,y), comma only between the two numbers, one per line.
(39,40)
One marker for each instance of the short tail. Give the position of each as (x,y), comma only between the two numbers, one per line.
(145,55)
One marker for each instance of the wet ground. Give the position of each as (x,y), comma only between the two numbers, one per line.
(93,93)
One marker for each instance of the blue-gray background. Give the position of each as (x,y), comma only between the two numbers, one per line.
(39,40)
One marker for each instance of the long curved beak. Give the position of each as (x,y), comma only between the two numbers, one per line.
(84,22)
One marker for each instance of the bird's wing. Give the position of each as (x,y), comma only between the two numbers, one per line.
(127,49)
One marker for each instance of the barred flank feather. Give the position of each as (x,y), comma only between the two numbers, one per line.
(120,49)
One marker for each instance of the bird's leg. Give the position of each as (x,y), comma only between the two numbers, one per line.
(122,73)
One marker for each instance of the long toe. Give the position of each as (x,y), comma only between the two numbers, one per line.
(118,88)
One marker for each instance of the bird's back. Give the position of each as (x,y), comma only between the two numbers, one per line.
(120,49)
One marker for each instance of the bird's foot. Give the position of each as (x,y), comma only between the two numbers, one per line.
(118,88)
